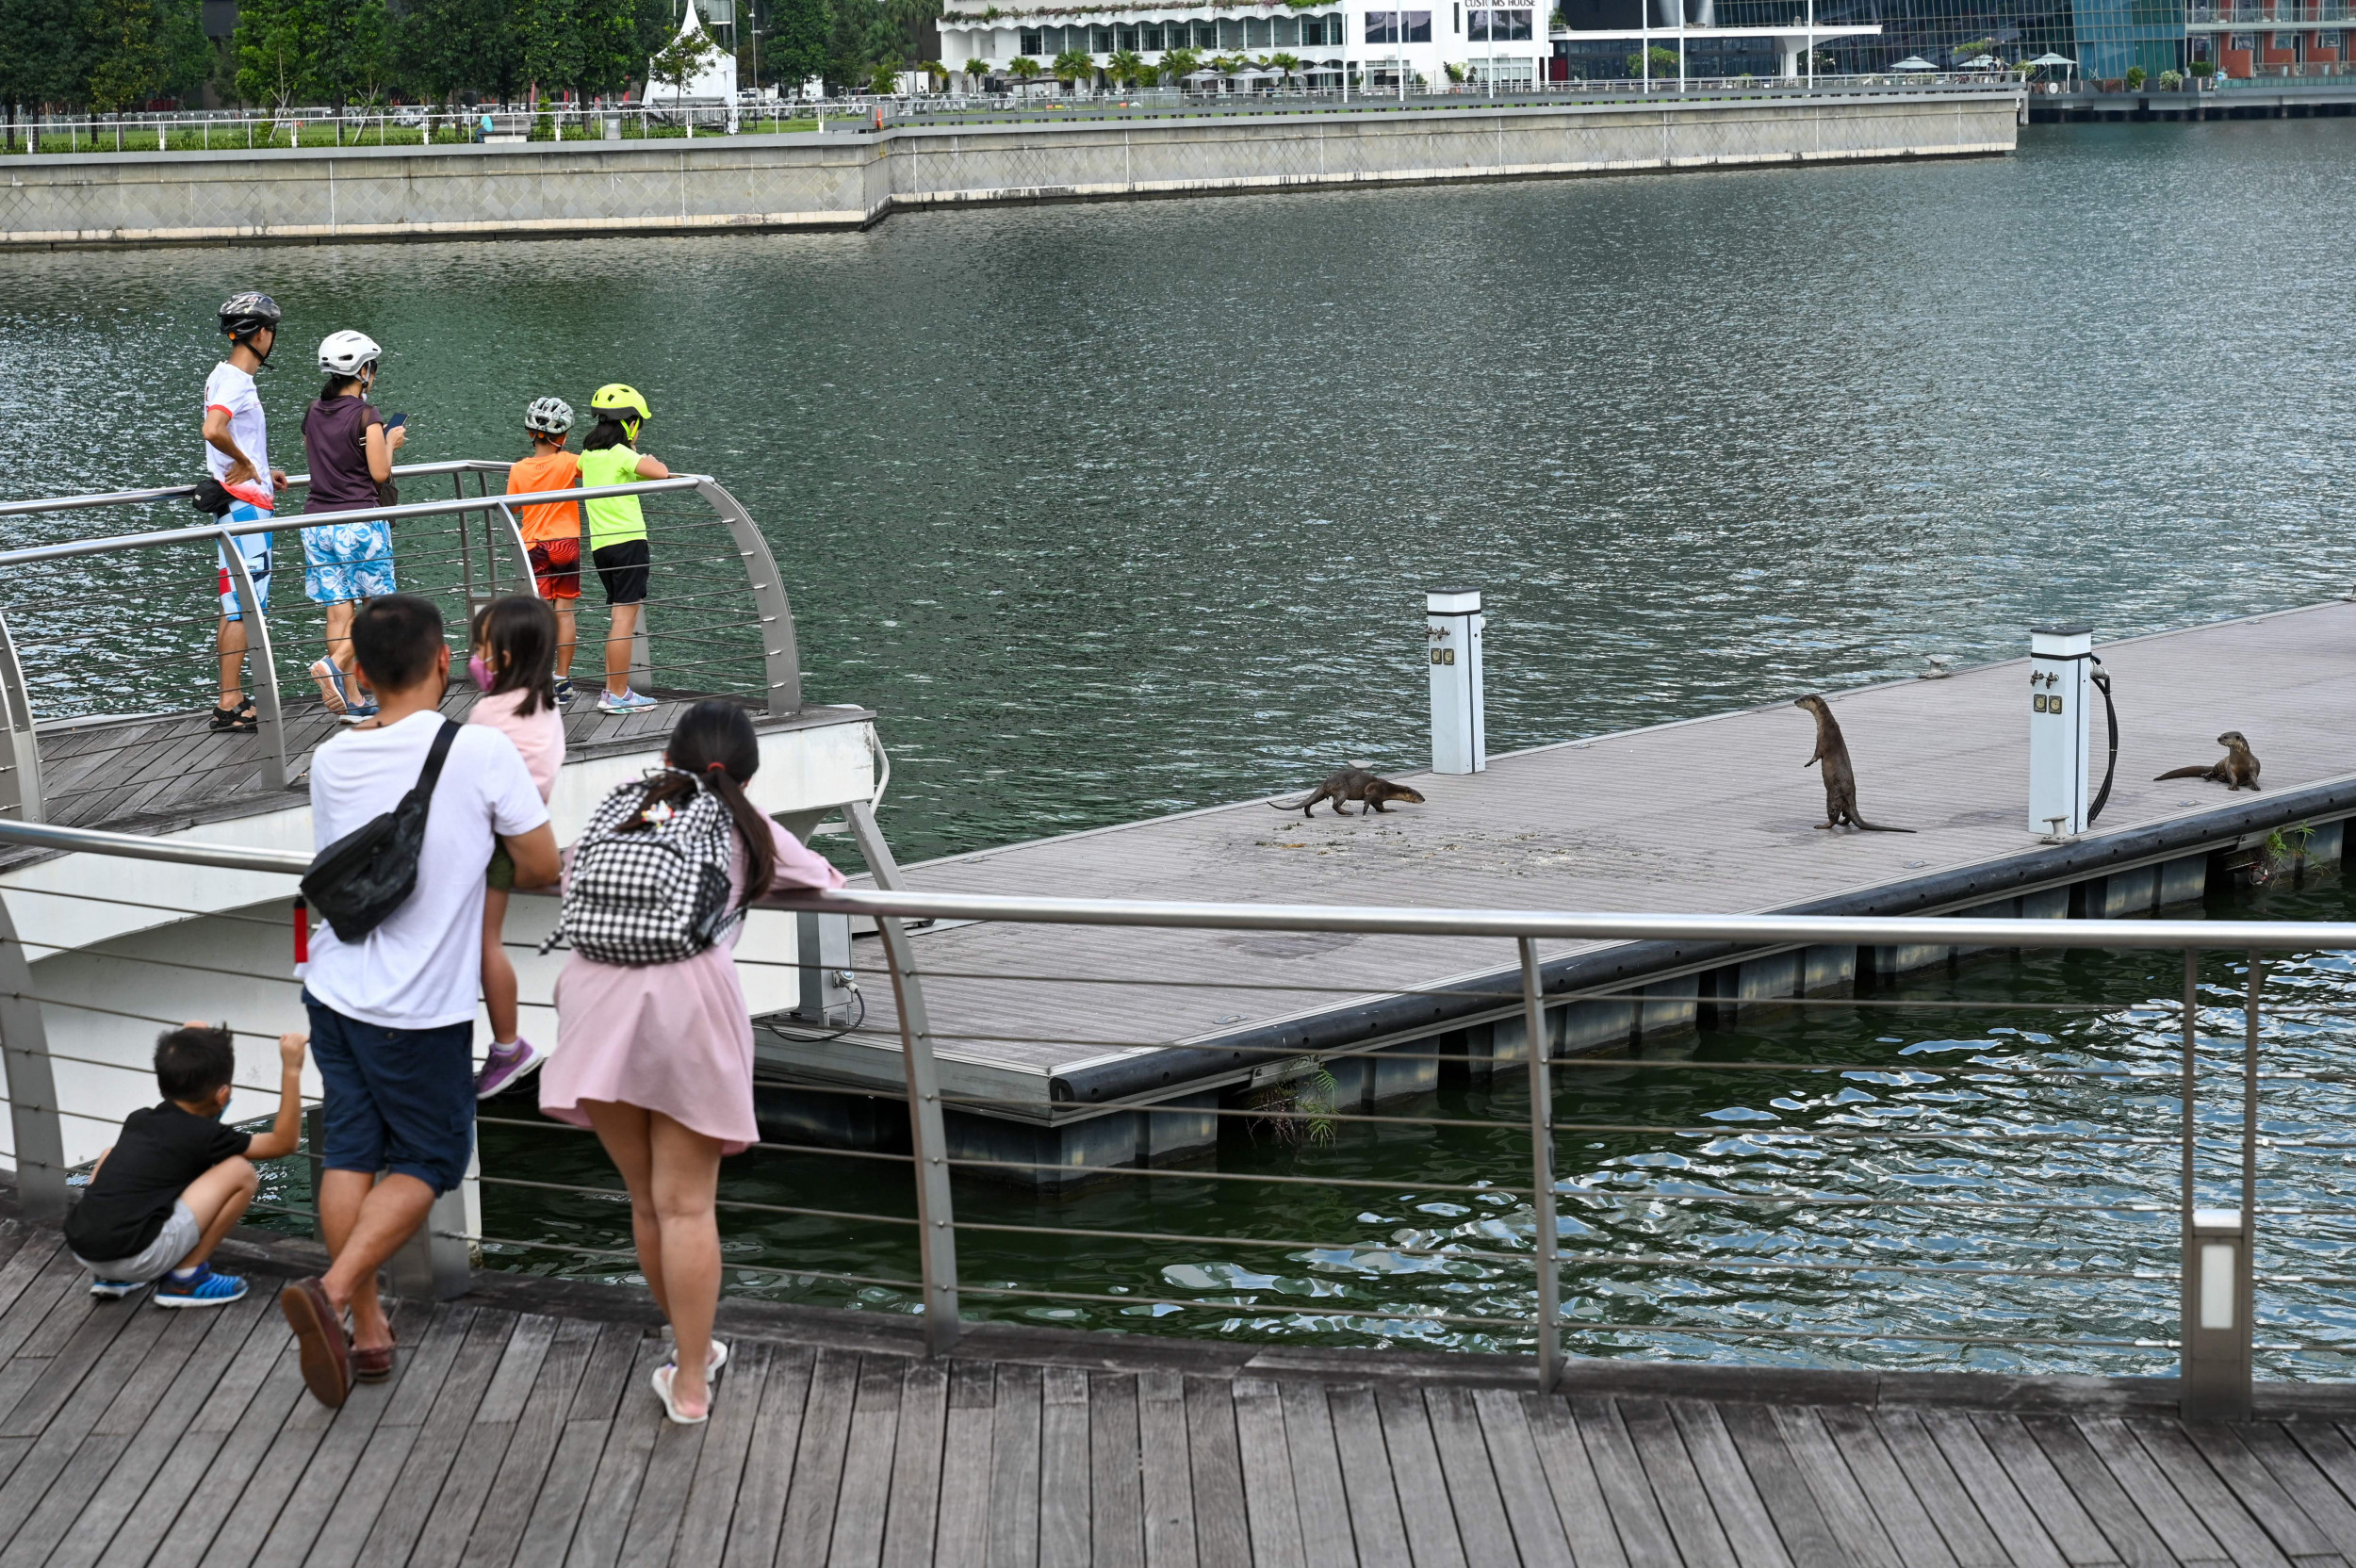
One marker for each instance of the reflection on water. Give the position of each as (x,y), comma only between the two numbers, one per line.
(1789,1217)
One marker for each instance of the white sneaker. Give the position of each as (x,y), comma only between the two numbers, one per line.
(629,702)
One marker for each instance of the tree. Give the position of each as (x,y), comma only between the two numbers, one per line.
(611,56)
(1178,64)
(883,78)
(1022,68)
(798,41)
(549,38)
(977,71)
(681,61)
(1072,67)
(1288,65)
(1124,67)
(444,47)
(276,43)
(1664,63)
(136,50)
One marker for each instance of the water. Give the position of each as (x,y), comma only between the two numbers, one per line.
(1117,510)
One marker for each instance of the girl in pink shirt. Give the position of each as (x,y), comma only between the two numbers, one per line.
(514,663)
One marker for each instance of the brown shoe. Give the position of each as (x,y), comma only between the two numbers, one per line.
(373,1366)
(326,1349)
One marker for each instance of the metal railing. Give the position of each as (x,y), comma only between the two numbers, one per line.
(324,130)
(96,669)
(1936,1167)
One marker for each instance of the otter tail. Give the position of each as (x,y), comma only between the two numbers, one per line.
(1877,828)
(2181,773)
(1292,805)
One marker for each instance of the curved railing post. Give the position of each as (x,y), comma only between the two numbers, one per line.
(38,1138)
(937,1239)
(20,793)
(782,658)
(267,721)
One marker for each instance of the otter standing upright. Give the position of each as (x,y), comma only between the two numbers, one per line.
(1839,775)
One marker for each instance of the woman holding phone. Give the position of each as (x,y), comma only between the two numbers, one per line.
(350,450)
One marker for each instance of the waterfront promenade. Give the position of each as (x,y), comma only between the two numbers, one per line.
(519,1431)
(849,182)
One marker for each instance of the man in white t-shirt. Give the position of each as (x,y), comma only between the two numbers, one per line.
(392,1014)
(237,452)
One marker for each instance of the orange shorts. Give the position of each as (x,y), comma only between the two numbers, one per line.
(556,568)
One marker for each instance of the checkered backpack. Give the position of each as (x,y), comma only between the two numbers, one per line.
(655,895)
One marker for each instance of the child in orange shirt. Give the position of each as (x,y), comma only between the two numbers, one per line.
(551,530)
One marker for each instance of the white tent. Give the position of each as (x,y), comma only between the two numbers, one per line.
(715,83)
(1914,62)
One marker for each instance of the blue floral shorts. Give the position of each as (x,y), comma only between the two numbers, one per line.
(343,561)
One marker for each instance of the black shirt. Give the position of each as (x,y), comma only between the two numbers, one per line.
(162,1151)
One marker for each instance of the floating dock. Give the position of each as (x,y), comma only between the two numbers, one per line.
(1053,1037)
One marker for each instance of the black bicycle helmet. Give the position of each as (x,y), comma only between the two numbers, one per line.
(244,315)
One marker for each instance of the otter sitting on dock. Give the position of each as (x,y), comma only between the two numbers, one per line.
(1350,784)
(2237,769)
(1839,775)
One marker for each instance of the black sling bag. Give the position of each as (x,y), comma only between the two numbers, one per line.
(361,878)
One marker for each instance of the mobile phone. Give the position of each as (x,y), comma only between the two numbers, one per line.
(394,422)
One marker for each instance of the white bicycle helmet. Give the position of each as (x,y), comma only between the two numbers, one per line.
(549,416)
(344,354)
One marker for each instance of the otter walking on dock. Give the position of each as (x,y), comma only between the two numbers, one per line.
(1839,775)
(2236,770)
(1350,784)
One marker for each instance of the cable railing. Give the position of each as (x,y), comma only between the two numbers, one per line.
(2017,1175)
(114,649)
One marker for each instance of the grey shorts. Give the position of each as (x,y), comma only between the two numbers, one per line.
(176,1240)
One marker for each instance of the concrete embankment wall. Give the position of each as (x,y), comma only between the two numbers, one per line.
(848,182)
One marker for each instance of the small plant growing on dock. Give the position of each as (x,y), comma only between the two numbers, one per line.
(2172,81)
(1297,1107)
(2203,69)
(2134,78)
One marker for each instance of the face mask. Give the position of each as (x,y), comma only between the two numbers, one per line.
(483,673)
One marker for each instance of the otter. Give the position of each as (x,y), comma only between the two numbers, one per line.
(1352,784)
(2236,770)
(1839,775)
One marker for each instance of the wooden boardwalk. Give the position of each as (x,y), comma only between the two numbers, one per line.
(1711,815)
(519,1430)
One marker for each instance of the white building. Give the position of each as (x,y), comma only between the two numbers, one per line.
(1501,42)
(1507,44)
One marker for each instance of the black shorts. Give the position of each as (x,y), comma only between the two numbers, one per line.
(623,570)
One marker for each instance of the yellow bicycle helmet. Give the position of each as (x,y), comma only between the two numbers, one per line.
(620,398)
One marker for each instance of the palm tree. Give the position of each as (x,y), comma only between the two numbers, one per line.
(1180,63)
(938,73)
(1288,64)
(978,70)
(1126,67)
(1074,66)
(1022,68)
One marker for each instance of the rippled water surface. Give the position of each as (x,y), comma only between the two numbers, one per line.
(1117,510)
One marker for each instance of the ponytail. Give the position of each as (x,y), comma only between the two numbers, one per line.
(714,748)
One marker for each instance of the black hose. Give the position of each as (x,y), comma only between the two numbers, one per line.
(2102,798)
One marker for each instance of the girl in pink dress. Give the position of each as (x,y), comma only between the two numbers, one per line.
(659,1059)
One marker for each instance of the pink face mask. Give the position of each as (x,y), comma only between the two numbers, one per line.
(483,673)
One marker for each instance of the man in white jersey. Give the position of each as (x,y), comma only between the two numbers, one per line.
(237,450)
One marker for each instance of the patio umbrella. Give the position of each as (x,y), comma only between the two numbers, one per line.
(2049,58)
(1914,62)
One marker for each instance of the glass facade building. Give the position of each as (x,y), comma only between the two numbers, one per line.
(2104,37)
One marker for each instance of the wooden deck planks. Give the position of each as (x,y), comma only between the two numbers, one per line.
(511,1439)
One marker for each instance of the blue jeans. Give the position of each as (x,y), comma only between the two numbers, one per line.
(398,1099)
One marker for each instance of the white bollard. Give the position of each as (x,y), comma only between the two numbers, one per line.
(2061,661)
(1460,741)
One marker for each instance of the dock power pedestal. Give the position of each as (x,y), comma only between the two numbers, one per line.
(1460,740)
(2061,662)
